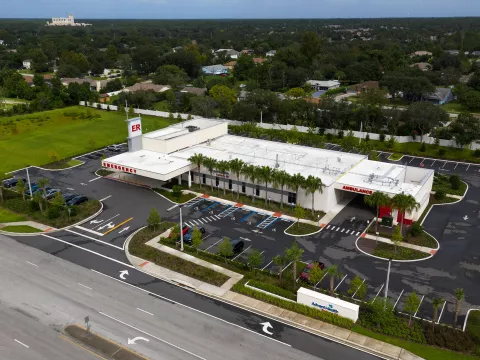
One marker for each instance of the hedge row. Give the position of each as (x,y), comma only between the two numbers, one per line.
(293,306)
(273,289)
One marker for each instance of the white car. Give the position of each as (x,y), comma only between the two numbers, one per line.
(114,148)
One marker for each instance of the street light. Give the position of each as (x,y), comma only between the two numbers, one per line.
(181,227)
(29,184)
(388,279)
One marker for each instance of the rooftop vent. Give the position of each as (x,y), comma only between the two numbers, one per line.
(192,128)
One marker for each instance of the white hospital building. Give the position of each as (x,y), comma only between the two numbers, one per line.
(68,21)
(163,155)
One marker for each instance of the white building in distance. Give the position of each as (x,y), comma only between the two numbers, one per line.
(68,21)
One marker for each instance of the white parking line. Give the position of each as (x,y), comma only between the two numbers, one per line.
(396,302)
(433,162)
(358,288)
(213,244)
(455,166)
(267,265)
(28,347)
(242,252)
(420,303)
(441,312)
(95,179)
(89,230)
(375,298)
(411,160)
(445,163)
(323,277)
(105,198)
(467,167)
(85,286)
(146,312)
(286,266)
(336,287)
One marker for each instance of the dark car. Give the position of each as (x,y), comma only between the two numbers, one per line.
(237,245)
(77,200)
(12,182)
(35,189)
(305,275)
(184,231)
(67,197)
(188,236)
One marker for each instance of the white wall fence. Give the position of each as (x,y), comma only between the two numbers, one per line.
(373,136)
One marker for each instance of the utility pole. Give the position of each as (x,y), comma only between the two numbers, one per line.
(386,285)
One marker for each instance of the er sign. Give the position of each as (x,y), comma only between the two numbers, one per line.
(134,127)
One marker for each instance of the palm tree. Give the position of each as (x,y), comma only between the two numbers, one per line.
(265,175)
(296,181)
(223,167)
(312,185)
(197,159)
(21,188)
(42,183)
(280,261)
(39,199)
(404,203)
(334,273)
(210,164)
(280,179)
(250,171)
(236,166)
(459,296)
(436,302)
(377,200)
(294,254)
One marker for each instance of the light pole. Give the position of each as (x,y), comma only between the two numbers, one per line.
(181,227)
(29,184)
(388,279)
(377,233)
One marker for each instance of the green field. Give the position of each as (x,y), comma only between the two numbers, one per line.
(9,216)
(32,139)
(21,229)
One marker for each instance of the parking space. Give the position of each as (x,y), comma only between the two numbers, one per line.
(462,167)
(427,163)
(449,166)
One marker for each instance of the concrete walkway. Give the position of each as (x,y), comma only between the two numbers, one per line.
(36,225)
(423,249)
(223,293)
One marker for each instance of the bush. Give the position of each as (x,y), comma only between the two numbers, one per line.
(53,212)
(177,191)
(455,182)
(423,147)
(441,152)
(476,153)
(329,137)
(449,338)
(273,289)
(440,194)
(416,229)
(381,137)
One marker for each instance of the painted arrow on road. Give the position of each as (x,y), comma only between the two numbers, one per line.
(123,273)
(110,225)
(133,341)
(266,326)
(124,229)
(465,217)
(95,221)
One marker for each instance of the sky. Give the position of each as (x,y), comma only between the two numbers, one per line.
(215,9)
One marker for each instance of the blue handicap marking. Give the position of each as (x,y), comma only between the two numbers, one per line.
(211,206)
(247,216)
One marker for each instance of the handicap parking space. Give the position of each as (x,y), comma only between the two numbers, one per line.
(248,217)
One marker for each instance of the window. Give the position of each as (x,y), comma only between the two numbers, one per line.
(257,190)
(243,187)
(204,179)
(230,185)
(217,181)
(292,198)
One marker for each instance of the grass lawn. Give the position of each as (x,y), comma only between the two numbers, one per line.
(387,251)
(302,229)
(10,216)
(20,229)
(395,156)
(32,139)
(454,107)
(104,172)
(442,182)
(425,351)
(63,164)
(16,100)
(161,106)
(169,195)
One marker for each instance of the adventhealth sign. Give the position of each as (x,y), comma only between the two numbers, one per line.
(328,303)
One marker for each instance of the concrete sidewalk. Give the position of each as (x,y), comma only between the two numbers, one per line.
(423,249)
(223,293)
(36,225)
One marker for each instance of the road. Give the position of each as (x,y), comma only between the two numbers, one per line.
(45,293)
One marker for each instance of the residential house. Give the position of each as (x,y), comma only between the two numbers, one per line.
(1,42)
(324,85)
(215,70)
(259,60)
(27,64)
(421,53)
(422,66)
(230,65)
(28,79)
(233,54)
(242,95)
(248,52)
(453,52)
(271,53)
(147,86)
(194,90)
(104,98)
(475,53)
(440,96)
(363,87)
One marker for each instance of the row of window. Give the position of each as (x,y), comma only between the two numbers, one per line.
(292,197)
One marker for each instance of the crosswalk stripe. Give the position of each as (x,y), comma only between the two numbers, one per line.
(358,233)
(328,227)
(218,217)
(206,220)
(187,224)
(194,222)
(333,228)
(338,228)
(346,232)
(342,230)
(211,218)
(200,221)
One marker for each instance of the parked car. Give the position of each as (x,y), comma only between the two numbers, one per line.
(67,197)
(114,148)
(188,235)
(51,193)
(305,275)
(237,245)
(184,230)
(77,200)
(9,183)
(35,188)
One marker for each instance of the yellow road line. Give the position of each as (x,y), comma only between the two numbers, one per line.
(116,227)
(82,347)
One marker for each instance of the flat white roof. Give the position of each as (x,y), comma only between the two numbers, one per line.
(325,164)
(181,127)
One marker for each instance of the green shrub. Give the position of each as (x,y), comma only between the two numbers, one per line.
(177,191)
(423,147)
(340,134)
(273,289)
(442,152)
(455,182)
(416,229)
(381,137)
(449,338)
(476,153)
(440,194)
(53,212)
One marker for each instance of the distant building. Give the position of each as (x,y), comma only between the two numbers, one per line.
(422,66)
(453,52)
(68,21)
(440,96)
(1,42)
(27,64)
(271,53)
(147,86)
(259,60)
(194,90)
(230,65)
(421,53)
(248,52)
(228,52)
(474,53)
(215,70)
(324,85)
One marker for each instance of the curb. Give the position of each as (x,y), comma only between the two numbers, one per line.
(385,259)
(85,220)
(174,202)
(313,233)
(39,167)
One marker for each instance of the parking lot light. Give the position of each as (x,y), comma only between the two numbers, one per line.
(181,224)
(388,279)
(29,184)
